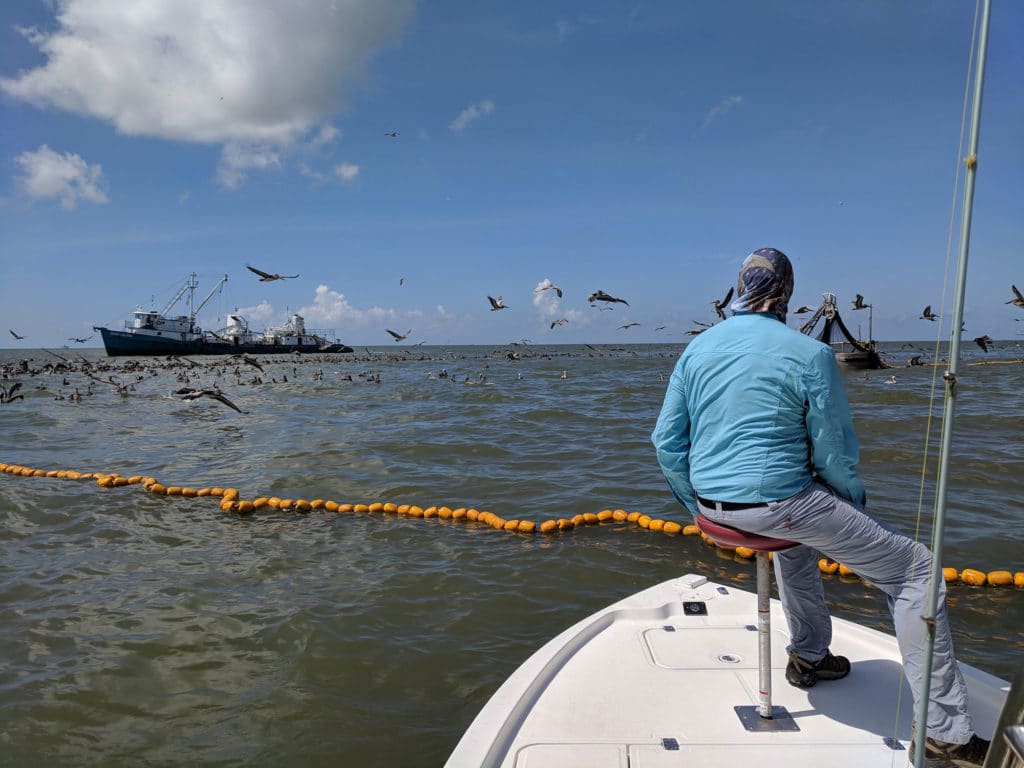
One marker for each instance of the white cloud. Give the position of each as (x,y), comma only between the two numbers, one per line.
(545,299)
(472,113)
(47,174)
(721,108)
(236,159)
(259,316)
(326,135)
(346,171)
(209,71)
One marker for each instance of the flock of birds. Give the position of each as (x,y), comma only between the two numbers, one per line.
(984,341)
(498,303)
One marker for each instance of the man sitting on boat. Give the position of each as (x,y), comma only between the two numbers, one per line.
(755,432)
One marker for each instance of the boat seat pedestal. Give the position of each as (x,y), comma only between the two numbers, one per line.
(763,717)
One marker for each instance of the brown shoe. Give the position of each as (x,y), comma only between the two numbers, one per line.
(943,754)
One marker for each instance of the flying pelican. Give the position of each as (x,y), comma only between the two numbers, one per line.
(195,394)
(249,361)
(7,395)
(628,325)
(1018,299)
(550,286)
(803,310)
(399,336)
(392,134)
(600,295)
(15,335)
(496,303)
(78,340)
(858,303)
(927,314)
(563,321)
(985,342)
(661,328)
(720,305)
(267,277)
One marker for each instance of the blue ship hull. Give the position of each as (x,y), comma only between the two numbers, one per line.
(125,343)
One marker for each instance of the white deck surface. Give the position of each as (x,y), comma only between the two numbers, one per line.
(607,692)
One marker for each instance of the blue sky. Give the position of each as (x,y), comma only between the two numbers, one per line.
(640,148)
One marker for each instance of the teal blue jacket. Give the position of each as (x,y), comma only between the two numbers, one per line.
(755,411)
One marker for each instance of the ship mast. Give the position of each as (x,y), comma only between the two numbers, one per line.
(950,377)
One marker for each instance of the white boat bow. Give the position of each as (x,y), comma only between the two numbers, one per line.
(653,681)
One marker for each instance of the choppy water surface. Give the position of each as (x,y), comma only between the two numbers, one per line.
(140,630)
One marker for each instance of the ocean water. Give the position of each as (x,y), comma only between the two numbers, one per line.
(138,630)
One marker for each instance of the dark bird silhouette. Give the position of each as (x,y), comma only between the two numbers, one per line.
(496,303)
(985,342)
(267,277)
(927,314)
(78,340)
(720,305)
(399,336)
(600,295)
(628,325)
(392,134)
(15,335)
(550,286)
(562,321)
(216,394)
(858,303)
(661,328)
(249,361)
(401,281)
(916,360)
(7,395)
(803,310)
(1017,300)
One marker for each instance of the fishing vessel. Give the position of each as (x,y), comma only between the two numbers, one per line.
(850,351)
(691,673)
(152,332)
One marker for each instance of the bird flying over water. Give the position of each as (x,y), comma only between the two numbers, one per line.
(562,321)
(7,395)
(927,314)
(216,394)
(720,305)
(496,303)
(15,335)
(392,134)
(858,303)
(1018,299)
(803,310)
(600,295)
(985,342)
(550,286)
(628,325)
(267,276)
(78,340)
(399,336)
(249,361)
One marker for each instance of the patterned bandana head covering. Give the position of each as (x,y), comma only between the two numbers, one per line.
(765,274)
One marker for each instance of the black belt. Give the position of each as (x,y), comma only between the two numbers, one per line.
(729,506)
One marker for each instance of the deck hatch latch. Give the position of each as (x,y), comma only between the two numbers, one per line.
(670,744)
(695,608)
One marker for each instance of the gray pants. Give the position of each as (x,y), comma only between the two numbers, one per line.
(896,564)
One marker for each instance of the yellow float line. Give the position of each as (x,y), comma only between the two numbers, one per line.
(230,501)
